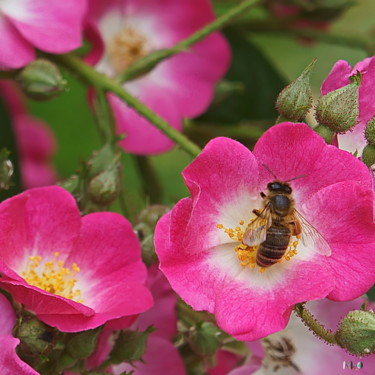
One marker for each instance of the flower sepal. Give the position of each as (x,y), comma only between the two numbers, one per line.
(356,332)
(130,346)
(82,344)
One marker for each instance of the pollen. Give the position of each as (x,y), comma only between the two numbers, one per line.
(126,47)
(53,277)
(247,254)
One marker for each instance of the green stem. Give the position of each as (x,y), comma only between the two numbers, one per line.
(318,329)
(148,62)
(101,81)
(284,29)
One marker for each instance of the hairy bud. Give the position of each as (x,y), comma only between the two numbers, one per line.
(356,332)
(370,132)
(295,101)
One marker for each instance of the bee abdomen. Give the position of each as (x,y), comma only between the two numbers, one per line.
(274,247)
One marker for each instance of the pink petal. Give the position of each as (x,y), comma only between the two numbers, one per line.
(338,77)
(10,363)
(353,246)
(16,52)
(13,97)
(366,92)
(47,220)
(56,27)
(37,174)
(318,165)
(7,317)
(141,136)
(160,358)
(163,314)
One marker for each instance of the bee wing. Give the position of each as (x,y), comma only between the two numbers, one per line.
(257,229)
(309,232)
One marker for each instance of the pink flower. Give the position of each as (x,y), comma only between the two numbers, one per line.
(305,352)
(200,242)
(354,141)
(54,27)
(35,140)
(10,363)
(74,273)
(181,86)
(161,357)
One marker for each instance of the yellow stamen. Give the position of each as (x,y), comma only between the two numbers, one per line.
(247,254)
(126,47)
(53,277)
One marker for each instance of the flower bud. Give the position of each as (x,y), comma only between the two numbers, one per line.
(356,332)
(370,132)
(41,80)
(130,346)
(81,345)
(325,133)
(6,169)
(338,110)
(368,156)
(295,101)
(104,188)
(35,336)
(204,340)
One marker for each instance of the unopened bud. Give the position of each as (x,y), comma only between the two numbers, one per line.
(204,340)
(130,346)
(81,345)
(104,188)
(325,133)
(295,101)
(370,132)
(338,110)
(41,80)
(356,332)
(368,156)
(36,336)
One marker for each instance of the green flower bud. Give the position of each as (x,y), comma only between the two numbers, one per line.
(204,339)
(35,336)
(325,133)
(104,188)
(338,110)
(130,346)
(41,80)
(81,345)
(370,132)
(368,156)
(356,332)
(295,101)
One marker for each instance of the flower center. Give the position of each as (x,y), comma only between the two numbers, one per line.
(247,254)
(279,353)
(53,277)
(126,47)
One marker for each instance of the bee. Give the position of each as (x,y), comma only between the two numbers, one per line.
(277,223)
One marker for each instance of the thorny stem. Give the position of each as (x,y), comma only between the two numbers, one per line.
(318,329)
(148,62)
(101,81)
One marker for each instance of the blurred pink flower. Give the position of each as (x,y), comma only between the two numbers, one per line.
(55,26)
(123,31)
(74,273)
(10,363)
(35,140)
(199,242)
(354,140)
(303,352)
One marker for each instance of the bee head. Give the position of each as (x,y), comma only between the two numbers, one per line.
(279,187)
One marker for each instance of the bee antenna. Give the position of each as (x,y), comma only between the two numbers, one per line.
(269,170)
(295,178)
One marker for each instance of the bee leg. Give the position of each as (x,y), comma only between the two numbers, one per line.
(296,228)
(262,194)
(257,212)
